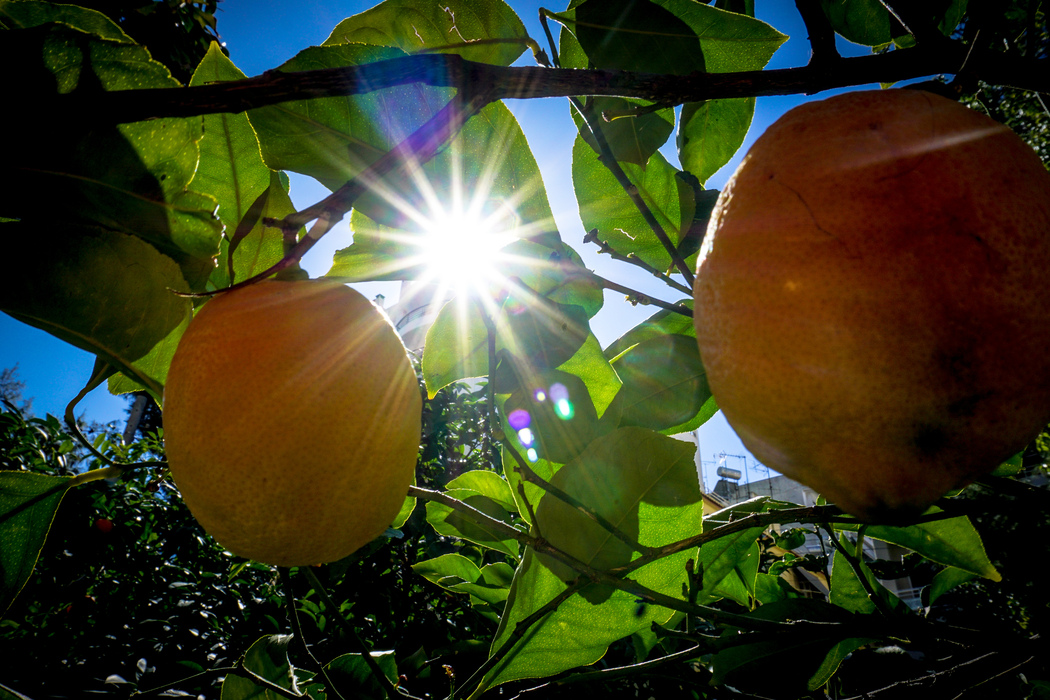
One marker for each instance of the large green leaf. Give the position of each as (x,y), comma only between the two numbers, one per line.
(333,139)
(661,323)
(605,206)
(267,658)
(539,334)
(483,491)
(632,138)
(131,178)
(849,591)
(951,542)
(552,415)
(805,663)
(644,483)
(232,171)
(865,22)
(251,247)
(351,672)
(601,380)
(489,584)
(664,382)
(21,14)
(710,132)
(414,26)
(636,35)
(28,502)
(102,291)
(723,560)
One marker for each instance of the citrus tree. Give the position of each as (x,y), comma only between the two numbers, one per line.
(556,538)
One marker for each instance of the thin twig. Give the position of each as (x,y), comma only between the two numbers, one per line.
(632,259)
(297,629)
(377,673)
(640,298)
(858,568)
(608,159)
(411,153)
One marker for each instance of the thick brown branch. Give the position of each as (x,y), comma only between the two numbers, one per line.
(527,82)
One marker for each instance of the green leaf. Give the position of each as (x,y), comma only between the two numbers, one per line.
(644,483)
(378,253)
(448,566)
(664,382)
(131,178)
(945,580)
(9,694)
(711,132)
(350,672)
(847,589)
(552,414)
(807,663)
(492,587)
(407,506)
(630,477)
(731,42)
(721,559)
(333,139)
(485,495)
(231,170)
(601,380)
(661,323)
(631,138)
(486,483)
(20,14)
(28,503)
(102,291)
(414,26)
(267,658)
(538,333)
(456,348)
(951,542)
(865,22)
(637,35)
(773,589)
(605,206)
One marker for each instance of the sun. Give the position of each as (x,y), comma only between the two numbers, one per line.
(462,250)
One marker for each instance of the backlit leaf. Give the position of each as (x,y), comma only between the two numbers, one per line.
(414,26)
(28,502)
(644,483)
(102,291)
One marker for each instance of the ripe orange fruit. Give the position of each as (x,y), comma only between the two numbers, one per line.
(292,421)
(871,300)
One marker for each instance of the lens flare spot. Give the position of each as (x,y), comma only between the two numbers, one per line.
(540,395)
(559,393)
(526,437)
(519,419)
(514,307)
(532,454)
(564,409)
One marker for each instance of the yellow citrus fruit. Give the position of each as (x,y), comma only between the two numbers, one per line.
(871,300)
(292,421)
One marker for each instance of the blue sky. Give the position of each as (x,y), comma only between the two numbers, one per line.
(262,34)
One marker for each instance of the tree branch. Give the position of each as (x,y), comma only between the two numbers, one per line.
(530,82)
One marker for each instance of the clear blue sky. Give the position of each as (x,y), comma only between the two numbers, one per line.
(262,34)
